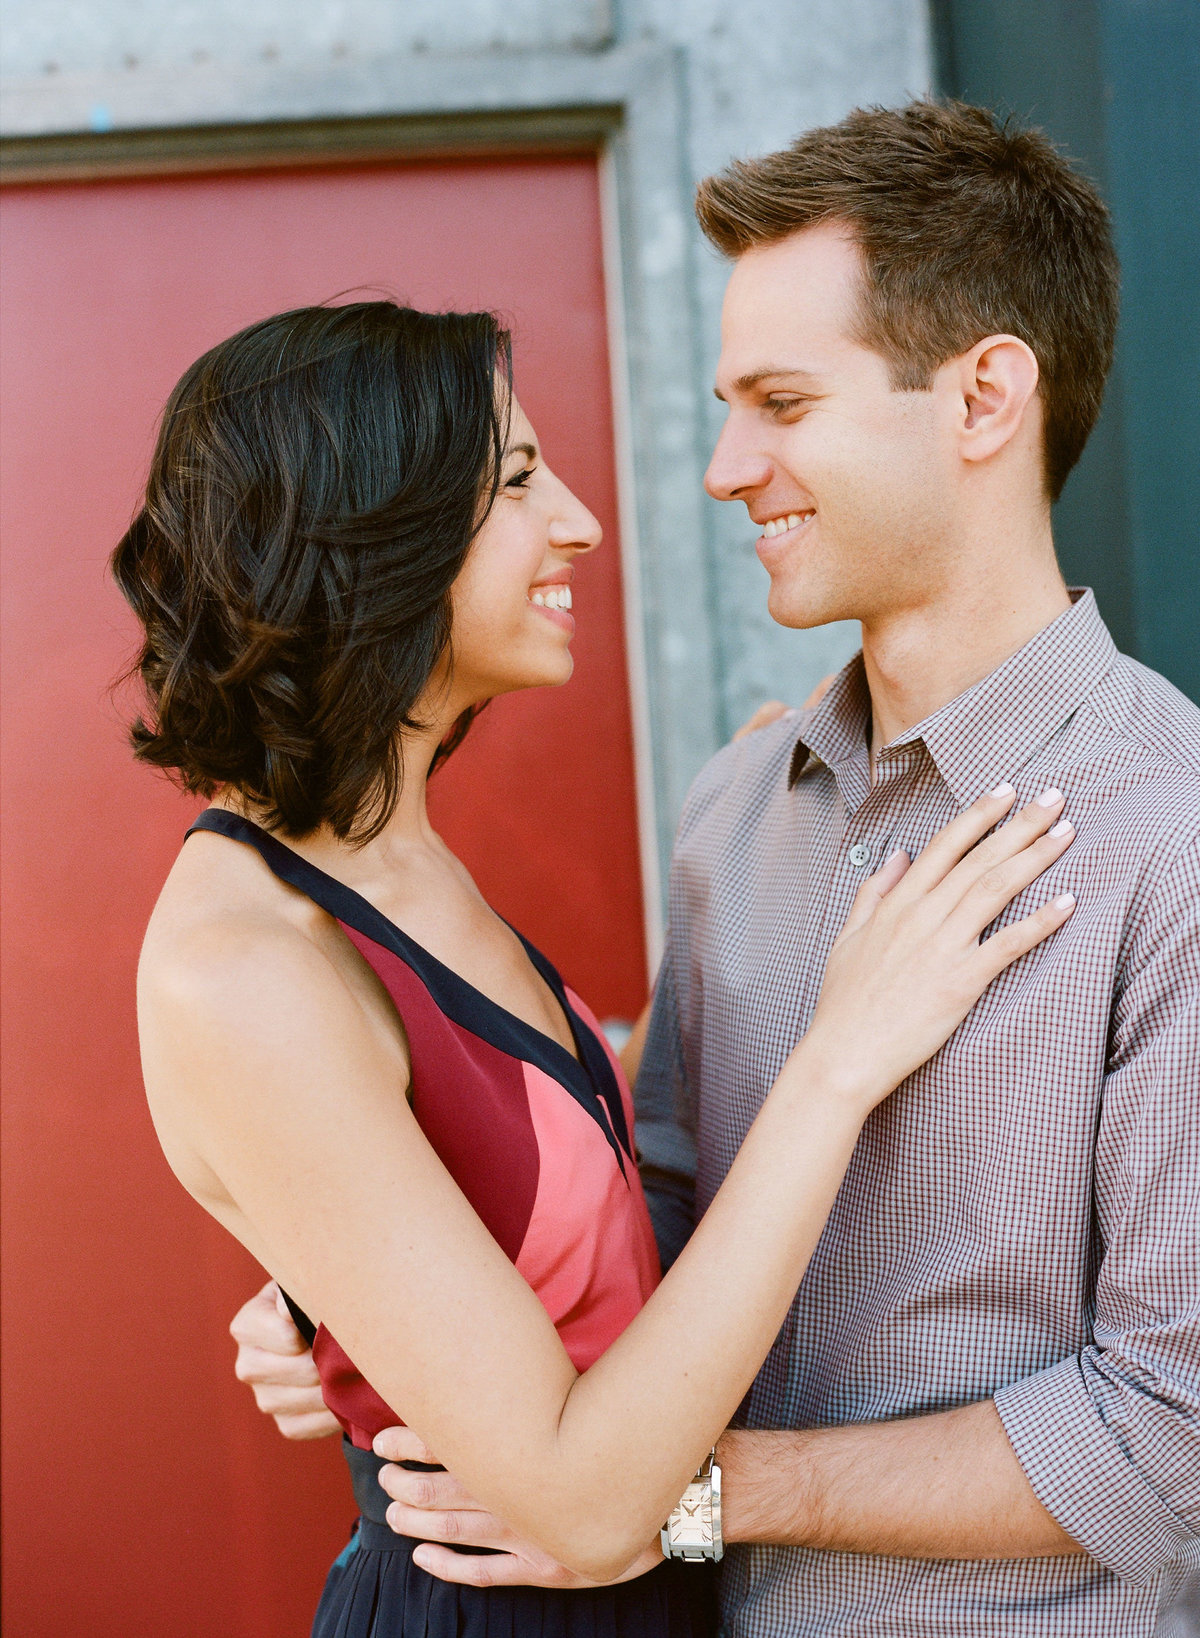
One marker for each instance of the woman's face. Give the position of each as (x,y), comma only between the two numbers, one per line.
(512,620)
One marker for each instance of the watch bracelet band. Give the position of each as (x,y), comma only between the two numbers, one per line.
(692,1532)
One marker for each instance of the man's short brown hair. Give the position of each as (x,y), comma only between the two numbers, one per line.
(968,228)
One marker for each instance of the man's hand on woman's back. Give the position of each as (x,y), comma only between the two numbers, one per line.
(273,1360)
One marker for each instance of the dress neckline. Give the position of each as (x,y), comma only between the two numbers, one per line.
(589,1078)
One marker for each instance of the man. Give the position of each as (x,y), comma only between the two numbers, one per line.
(983,1414)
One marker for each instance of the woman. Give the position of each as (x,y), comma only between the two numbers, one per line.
(349,544)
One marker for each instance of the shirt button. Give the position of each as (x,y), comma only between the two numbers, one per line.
(859,855)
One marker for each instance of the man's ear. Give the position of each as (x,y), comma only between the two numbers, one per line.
(996,381)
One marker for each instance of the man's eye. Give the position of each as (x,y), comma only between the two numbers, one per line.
(520,479)
(780,406)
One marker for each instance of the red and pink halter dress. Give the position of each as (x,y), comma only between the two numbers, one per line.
(541,1144)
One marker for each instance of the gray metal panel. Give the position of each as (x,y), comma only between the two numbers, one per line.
(1117,83)
(1151,64)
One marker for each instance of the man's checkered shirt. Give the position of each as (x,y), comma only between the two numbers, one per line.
(1021,1219)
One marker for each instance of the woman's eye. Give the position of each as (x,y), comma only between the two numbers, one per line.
(520,479)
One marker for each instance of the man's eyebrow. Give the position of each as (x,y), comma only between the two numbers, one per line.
(769,372)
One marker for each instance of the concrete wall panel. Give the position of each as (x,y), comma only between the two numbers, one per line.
(69,36)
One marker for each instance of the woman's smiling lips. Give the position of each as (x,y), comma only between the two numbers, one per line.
(551,598)
(780,534)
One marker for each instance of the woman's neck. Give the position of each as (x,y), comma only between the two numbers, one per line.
(407,832)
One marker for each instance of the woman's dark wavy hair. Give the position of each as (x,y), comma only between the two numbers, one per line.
(317,484)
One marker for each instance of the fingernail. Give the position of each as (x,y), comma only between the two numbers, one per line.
(898,854)
(1050,798)
(1064,827)
(1064,901)
(1003,790)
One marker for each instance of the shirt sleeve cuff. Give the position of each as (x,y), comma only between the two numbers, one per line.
(1082,1477)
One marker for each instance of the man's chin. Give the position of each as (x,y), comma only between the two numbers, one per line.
(803,607)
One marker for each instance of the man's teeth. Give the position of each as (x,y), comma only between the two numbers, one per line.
(780,526)
(552,597)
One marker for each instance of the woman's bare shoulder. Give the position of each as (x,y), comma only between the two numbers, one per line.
(223,923)
(247,993)
(235,966)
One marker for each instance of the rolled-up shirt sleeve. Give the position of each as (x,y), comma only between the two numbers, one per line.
(1109,1438)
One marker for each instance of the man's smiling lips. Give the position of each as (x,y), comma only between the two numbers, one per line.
(781,533)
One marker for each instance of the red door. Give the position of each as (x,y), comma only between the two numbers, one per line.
(145,1496)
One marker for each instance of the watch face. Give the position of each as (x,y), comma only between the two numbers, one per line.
(691,1523)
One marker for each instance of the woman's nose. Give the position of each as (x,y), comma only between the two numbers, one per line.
(574,528)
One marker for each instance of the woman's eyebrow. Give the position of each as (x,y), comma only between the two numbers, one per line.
(528,450)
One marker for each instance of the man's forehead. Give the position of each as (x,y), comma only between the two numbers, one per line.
(789,310)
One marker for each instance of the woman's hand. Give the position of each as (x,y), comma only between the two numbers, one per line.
(908,965)
(274,1360)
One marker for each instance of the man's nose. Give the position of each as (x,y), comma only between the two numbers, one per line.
(736,468)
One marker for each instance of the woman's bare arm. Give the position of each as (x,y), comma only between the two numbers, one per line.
(280,1109)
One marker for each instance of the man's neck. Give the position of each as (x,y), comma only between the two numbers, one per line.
(919,660)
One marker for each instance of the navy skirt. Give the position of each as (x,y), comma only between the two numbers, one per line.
(374,1590)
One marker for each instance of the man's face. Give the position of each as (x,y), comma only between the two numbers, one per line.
(861,478)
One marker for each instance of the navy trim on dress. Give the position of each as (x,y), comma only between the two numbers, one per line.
(589,1080)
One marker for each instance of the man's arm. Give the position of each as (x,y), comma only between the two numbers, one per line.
(665,1111)
(942,1486)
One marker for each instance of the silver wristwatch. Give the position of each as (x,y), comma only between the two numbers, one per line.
(693,1530)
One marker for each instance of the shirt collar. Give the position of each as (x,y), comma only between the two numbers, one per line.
(990,730)
(835,730)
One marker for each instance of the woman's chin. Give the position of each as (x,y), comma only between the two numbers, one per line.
(544,673)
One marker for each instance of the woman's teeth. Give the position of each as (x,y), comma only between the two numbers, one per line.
(552,597)
(780,526)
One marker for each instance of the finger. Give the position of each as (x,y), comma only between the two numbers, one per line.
(769,712)
(315,1425)
(1010,943)
(938,857)
(440,1490)
(458,1529)
(996,888)
(276,1401)
(261,1365)
(469,1570)
(260,1324)
(876,887)
(996,852)
(401,1444)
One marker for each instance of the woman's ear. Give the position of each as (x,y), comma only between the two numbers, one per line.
(997,380)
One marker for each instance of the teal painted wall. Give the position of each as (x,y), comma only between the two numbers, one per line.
(1117,84)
